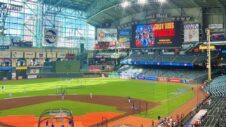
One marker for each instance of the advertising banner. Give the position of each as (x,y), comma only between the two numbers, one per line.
(21,68)
(215,26)
(106,35)
(61,55)
(176,80)
(162,79)
(13,76)
(14,61)
(218,36)
(5,54)
(141,77)
(20,77)
(185,81)
(29,55)
(124,38)
(32,76)
(51,54)
(17,54)
(6,68)
(41,55)
(151,78)
(50,37)
(34,71)
(191,33)
(157,35)
(94,68)
(29,62)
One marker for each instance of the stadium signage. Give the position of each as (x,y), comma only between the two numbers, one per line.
(164,29)
(29,54)
(218,36)
(51,54)
(5,68)
(106,35)
(157,35)
(21,68)
(191,33)
(224,51)
(34,71)
(14,61)
(4,47)
(50,37)
(20,78)
(61,55)
(5,54)
(11,7)
(32,76)
(215,26)
(162,79)
(40,54)
(157,63)
(175,80)
(205,47)
(13,76)
(16,54)
(124,38)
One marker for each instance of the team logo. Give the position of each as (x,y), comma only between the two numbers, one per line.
(50,36)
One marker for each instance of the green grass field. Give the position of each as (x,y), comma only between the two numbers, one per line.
(78,108)
(170,95)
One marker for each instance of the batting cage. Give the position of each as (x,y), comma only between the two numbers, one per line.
(56,118)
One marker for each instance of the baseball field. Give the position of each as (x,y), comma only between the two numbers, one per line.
(93,95)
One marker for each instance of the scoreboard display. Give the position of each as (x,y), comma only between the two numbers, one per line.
(157,35)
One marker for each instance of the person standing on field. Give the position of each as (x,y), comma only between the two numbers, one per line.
(91,95)
(62,96)
(47,123)
(129,99)
(3,88)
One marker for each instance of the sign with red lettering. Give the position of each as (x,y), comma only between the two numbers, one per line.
(157,35)
(176,80)
(162,79)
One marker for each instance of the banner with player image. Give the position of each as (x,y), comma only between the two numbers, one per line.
(191,33)
(144,36)
(157,35)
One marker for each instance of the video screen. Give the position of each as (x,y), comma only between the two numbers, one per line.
(157,35)
(144,36)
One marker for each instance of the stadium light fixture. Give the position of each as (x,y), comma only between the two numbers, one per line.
(142,2)
(162,1)
(125,4)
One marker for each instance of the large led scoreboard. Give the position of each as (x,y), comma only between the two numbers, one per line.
(157,35)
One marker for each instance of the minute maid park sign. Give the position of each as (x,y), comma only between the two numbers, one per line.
(50,37)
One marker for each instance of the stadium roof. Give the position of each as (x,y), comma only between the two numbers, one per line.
(73,4)
(100,11)
(111,10)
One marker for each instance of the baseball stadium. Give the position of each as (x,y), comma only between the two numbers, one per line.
(112,63)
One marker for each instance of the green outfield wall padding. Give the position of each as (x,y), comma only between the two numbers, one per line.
(67,66)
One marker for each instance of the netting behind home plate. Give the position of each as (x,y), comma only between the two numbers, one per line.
(56,117)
